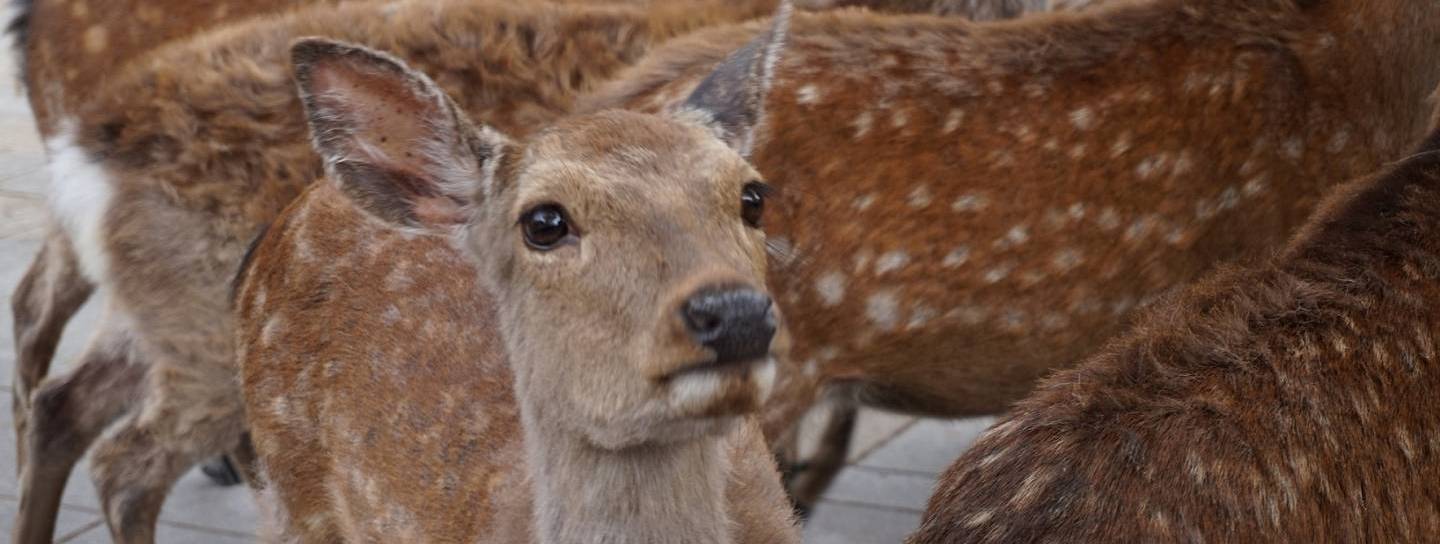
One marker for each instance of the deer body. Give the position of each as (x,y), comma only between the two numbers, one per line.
(1286,402)
(968,207)
(640,338)
(197,145)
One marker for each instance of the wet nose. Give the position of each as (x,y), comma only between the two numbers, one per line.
(737,323)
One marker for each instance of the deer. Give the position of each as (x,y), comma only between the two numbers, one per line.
(66,51)
(963,208)
(592,368)
(182,158)
(1286,401)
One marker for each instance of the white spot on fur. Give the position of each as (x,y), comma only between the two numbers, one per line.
(1338,141)
(1066,259)
(1254,186)
(999,272)
(1122,145)
(1294,148)
(808,94)
(1017,235)
(883,310)
(953,120)
(892,261)
(864,202)
(920,197)
(862,124)
(391,315)
(271,328)
(1108,219)
(956,257)
(1083,118)
(1077,211)
(831,288)
(970,203)
(862,260)
(919,316)
(899,119)
(80,196)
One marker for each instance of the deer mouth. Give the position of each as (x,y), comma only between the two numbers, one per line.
(737,367)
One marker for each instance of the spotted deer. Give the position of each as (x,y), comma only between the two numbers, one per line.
(962,208)
(68,50)
(186,153)
(618,276)
(1289,401)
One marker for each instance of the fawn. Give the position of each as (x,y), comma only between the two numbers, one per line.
(620,264)
(185,154)
(963,208)
(1291,401)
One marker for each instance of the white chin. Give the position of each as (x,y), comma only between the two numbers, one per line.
(695,392)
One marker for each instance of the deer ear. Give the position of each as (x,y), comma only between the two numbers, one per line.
(732,98)
(391,139)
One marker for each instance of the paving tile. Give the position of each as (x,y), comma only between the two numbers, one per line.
(840,523)
(196,500)
(22,216)
(71,521)
(168,534)
(929,446)
(882,487)
(875,429)
(21,171)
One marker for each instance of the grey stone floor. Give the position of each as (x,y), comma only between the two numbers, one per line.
(894,461)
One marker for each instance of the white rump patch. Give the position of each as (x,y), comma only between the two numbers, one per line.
(80,196)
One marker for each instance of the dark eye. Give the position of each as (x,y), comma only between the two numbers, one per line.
(752,202)
(545,226)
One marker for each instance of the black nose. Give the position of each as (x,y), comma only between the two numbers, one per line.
(735,322)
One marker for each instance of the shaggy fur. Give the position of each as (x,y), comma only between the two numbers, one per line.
(203,142)
(967,207)
(1287,402)
(384,409)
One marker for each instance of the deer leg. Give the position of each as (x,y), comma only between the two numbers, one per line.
(67,414)
(138,461)
(810,481)
(49,294)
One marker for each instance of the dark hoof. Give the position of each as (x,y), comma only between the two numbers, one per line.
(221,471)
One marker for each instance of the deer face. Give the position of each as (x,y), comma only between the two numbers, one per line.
(624,250)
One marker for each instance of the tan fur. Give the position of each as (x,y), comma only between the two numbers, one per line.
(202,143)
(384,409)
(1291,401)
(968,207)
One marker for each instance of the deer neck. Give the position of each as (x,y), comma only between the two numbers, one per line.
(644,494)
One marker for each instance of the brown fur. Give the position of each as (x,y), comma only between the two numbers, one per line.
(1290,401)
(968,207)
(202,142)
(396,417)
(975,10)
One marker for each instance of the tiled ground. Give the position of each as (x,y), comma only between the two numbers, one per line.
(878,499)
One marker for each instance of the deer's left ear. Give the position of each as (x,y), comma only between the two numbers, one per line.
(732,98)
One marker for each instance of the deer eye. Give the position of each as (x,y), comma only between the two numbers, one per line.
(545,227)
(752,202)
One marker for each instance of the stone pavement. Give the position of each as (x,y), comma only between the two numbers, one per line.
(894,461)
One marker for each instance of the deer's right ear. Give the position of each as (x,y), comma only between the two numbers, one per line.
(392,140)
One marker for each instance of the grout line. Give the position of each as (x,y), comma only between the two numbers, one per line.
(857,504)
(72,535)
(896,471)
(882,442)
(205,529)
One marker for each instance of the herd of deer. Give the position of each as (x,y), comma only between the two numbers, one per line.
(575,268)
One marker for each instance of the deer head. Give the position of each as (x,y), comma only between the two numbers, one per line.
(624,250)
